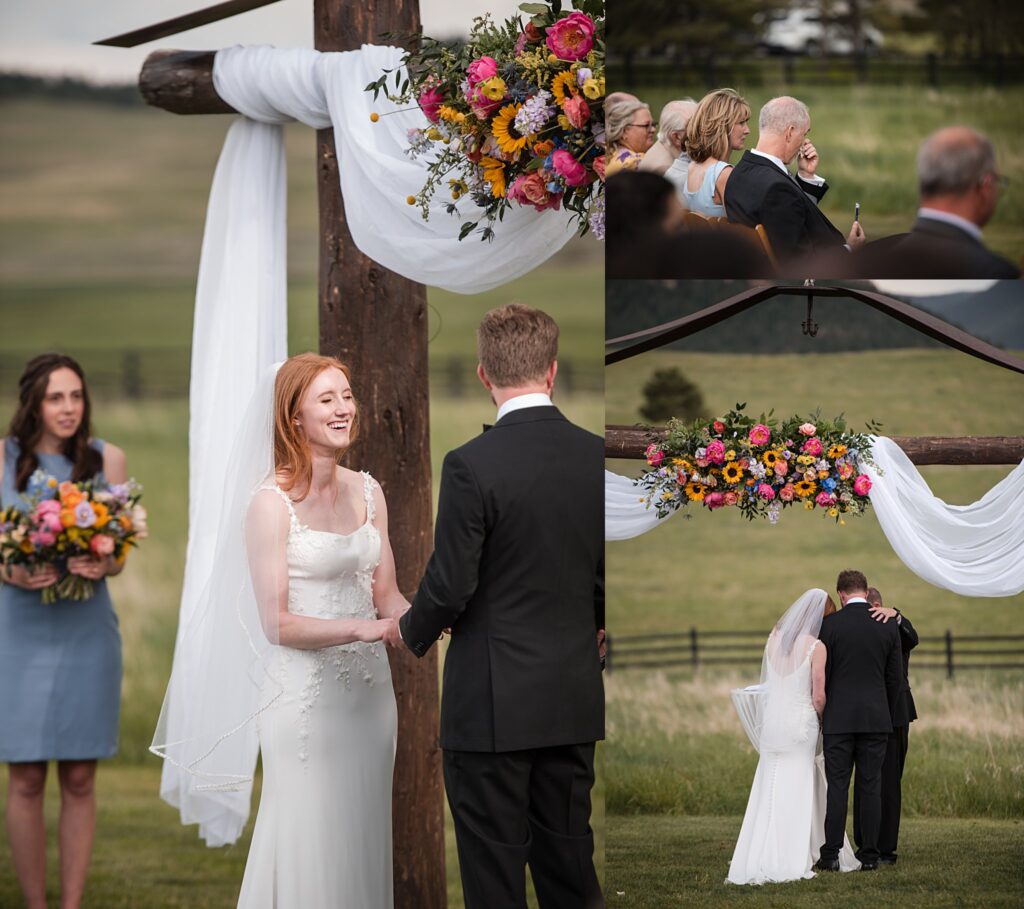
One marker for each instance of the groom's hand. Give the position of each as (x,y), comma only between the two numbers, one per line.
(882,614)
(393,636)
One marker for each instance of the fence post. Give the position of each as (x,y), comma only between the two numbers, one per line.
(933,71)
(694,652)
(456,386)
(132,375)
(788,70)
(949,654)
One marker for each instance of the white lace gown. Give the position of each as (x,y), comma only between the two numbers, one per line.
(784,824)
(322,838)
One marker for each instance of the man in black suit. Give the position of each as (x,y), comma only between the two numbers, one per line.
(517,575)
(863,680)
(761,190)
(896,747)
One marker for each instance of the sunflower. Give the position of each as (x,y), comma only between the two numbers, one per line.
(505,133)
(494,173)
(770,457)
(563,86)
(837,451)
(695,491)
(732,472)
(805,488)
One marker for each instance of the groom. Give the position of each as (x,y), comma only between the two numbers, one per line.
(517,575)
(863,681)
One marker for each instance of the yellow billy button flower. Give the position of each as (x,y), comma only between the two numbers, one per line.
(458,188)
(411,200)
(374,117)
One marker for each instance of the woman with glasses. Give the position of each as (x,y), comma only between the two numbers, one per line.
(630,130)
(717,129)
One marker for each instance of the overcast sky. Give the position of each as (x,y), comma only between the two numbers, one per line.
(53,37)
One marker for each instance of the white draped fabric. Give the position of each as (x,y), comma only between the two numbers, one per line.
(973,550)
(240,320)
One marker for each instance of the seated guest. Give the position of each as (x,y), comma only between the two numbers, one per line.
(629,132)
(715,131)
(646,238)
(959,188)
(671,136)
(762,191)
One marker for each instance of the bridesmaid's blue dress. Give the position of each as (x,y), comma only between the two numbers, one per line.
(60,665)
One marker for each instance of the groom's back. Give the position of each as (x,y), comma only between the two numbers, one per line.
(861,671)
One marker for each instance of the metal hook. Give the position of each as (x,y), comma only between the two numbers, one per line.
(810,327)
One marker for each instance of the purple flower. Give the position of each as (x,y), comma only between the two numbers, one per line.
(84,515)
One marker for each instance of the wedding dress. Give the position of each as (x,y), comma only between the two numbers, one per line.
(784,824)
(322,838)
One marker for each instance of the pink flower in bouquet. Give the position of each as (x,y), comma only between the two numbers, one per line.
(532,189)
(845,471)
(576,110)
(766,492)
(483,107)
(598,165)
(862,485)
(812,447)
(41,538)
(781,467)
(681,477)
(825,499)
(718,426)
(760,435)
(430,101)
(84,515)
(715,452)
(715,500)
(101,545)
(47,506)
(654,455)
(533,34)
(481,69)
(568,168)
(731,498)
(808,429)
(571,38)
(702,462)
(787,493)
(521,43)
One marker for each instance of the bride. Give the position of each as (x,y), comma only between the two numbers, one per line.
(286,646)
(784,825)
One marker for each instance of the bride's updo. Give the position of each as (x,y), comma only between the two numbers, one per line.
(292,457)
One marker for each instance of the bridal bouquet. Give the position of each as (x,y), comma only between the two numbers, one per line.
(71,519)
(759,466)
(516,113)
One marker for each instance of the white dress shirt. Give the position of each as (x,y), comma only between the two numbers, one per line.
(815,180)
(533,399)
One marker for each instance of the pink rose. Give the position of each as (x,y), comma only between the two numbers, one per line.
(702,462)
(715,452)
(481,70)
(731,498)
(862,485)
(812,447)
(654,455)
(787,493)
(714,500)
(825,499)
(718,426)
(576,110)
(781,467)
(531,189)
(42,538)
(766,492)
(808,429)
(681,477)
(571,38)
(430,101)
(760,435)
(101,544)
(568,168)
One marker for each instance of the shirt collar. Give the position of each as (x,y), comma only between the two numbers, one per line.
(776,161)
(533,399)
(966,226)
(856,600)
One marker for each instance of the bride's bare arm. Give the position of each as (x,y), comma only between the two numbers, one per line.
(266,540)
(818,659)
(387,598)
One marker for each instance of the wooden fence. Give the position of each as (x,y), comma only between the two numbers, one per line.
(743,649)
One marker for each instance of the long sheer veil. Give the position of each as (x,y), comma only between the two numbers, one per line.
(219,683)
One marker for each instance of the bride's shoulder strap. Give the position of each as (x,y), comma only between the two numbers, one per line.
(273,487)
(369,484)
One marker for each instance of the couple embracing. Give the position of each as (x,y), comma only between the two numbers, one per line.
(841,674)
(516,578)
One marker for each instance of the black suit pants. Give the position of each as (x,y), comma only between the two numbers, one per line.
(517,808)
(843,752)
(892,794)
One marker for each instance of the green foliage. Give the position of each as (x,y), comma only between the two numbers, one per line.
(668,393)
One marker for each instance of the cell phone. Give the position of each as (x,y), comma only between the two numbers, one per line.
(856,212)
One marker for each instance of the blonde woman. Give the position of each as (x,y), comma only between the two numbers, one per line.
(717,129)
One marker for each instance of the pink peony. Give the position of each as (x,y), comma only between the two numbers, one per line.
(862,485)
(568,168)
(571,38)
(714,500)
(812,447)
(101,544)
(808,429)
(51,522)
(825,499)
(715,452)
(731,498)
(576,110)
(718,426)
(766,492)
(531,189)
(760,435)
(654,455)
(787,493)
(42,538)
(781,467)
(48,506)
(481,69)
(430,101)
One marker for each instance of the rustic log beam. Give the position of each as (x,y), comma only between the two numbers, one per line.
(631,441)
(181,82)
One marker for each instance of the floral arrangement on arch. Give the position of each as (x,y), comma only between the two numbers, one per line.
(71,519)
(516,114)
(759,466)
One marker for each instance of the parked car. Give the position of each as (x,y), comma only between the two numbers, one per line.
(801,30)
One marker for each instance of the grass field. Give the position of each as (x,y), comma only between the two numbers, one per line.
(868,136)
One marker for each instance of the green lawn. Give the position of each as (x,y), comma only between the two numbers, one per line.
(868,136)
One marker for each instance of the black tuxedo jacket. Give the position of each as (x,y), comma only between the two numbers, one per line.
(517,574)
(935,249)
(863,672)
(759,193)
(906,711)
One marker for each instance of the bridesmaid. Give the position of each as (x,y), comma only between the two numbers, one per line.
(60,665)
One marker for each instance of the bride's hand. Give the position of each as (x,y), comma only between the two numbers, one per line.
(28,579)
(377,629)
